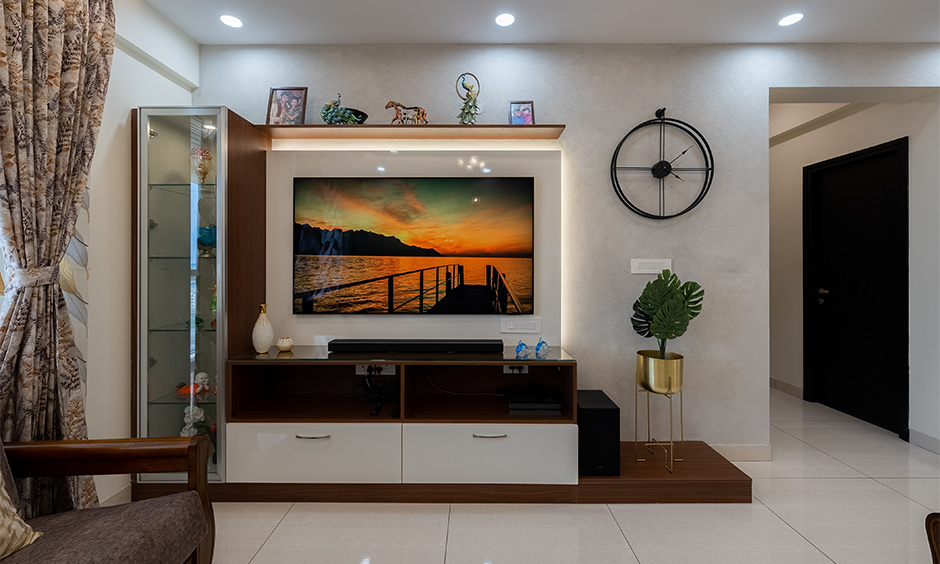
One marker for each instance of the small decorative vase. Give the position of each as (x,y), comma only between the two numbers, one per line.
(285,344)
(206,241)
(262,336)
(201,158)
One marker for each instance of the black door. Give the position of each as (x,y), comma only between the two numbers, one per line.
(855,284)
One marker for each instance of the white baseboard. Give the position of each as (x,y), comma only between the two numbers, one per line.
(122,496)
(744,453)
(786,388)
(925,441)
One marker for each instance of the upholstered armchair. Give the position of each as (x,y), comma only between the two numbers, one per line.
(171,529)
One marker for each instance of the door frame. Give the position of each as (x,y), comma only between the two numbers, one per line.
(899,146)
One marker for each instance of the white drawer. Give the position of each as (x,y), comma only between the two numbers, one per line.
(344,453)
(489,454)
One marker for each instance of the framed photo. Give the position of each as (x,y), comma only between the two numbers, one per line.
(287,105)
(521,113)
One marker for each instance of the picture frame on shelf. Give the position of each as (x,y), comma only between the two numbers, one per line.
(522,112)
(287,105)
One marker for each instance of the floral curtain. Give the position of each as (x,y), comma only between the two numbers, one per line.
(55,61)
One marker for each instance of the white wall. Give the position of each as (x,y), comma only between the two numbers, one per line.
(108,406)
(600,92)
(147,35)
(885,122)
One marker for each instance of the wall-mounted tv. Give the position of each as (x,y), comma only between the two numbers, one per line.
(459,245)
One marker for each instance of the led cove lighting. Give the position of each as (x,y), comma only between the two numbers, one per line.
(231,21)
(790,20)
(505,20)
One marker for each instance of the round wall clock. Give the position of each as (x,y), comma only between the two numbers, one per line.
(662,168)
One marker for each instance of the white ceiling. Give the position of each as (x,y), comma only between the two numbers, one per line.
(554,21)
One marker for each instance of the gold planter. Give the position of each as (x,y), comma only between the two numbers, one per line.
(662,376)
(659,375)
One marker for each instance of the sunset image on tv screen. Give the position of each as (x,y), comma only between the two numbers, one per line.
(413,245)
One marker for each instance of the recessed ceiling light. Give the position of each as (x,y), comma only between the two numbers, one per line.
(231,21)
(790,20)
(505,20)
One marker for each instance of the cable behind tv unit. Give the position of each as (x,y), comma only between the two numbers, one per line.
(416,346)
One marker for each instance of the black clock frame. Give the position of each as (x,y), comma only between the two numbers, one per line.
(663,168)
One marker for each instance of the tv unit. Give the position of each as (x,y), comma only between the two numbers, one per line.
(376,245)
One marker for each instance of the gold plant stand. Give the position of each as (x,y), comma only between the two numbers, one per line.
(656,375)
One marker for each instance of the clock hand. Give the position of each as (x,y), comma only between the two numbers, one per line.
(676,175)
(680,154)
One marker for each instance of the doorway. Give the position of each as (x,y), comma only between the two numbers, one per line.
(855,285)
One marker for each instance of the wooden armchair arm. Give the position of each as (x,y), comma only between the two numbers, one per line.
(122,456)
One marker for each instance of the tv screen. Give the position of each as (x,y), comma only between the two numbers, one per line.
(413,245)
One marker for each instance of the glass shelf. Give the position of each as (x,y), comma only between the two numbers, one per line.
(206,398)
(181,328)
(206,191)
(167,257)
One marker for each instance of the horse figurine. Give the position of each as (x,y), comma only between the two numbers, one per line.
(419,115)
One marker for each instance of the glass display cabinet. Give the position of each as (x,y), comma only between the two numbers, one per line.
(183,314)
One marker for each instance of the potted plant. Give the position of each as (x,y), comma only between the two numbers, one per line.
(663,311)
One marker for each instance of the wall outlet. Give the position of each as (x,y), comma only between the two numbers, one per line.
(515,369)
(363,369)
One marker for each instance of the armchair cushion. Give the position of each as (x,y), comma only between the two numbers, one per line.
(14,532)
(152,531)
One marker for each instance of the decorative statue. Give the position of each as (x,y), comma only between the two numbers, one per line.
(418,115)
(200,385)
(334,114)
(470,109)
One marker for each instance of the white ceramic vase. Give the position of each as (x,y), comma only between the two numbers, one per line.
(262,336)
(285,344)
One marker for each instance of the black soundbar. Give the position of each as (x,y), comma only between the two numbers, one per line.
(416,345)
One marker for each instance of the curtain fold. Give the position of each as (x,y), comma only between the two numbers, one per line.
(55,63)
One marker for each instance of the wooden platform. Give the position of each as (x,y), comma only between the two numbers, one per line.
(703,477)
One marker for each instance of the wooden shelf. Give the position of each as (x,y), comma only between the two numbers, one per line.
(431,131)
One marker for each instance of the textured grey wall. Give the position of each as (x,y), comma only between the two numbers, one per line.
(600,92)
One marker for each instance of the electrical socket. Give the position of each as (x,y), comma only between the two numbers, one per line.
(363,369)
(515,369)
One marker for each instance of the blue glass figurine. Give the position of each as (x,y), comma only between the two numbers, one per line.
(542,349)
(522,351)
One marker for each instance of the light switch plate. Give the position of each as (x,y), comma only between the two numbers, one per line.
(520,325)
(649,266)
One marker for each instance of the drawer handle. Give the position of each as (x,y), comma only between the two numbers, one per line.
(312,438)
(503,436)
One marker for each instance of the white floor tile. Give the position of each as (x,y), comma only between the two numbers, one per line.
(358,533)
(729,533)
(852,521)
(535,533)
(872,451)
(792,458)
(242,528)
(925,491)
(784,407)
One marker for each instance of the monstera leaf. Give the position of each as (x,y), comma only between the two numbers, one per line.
(641,321)
(671,321)
(658,292)
(692,295)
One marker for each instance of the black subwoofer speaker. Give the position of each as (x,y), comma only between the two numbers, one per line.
(598,434)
